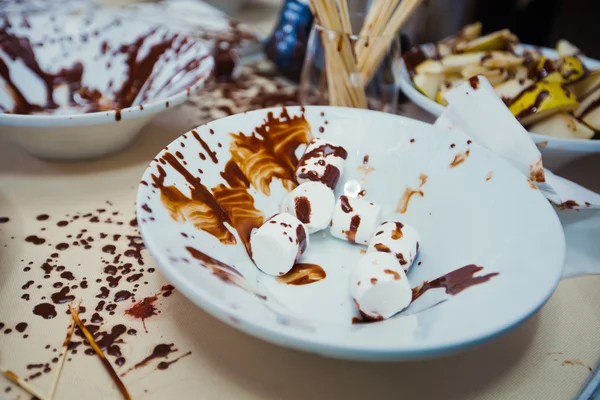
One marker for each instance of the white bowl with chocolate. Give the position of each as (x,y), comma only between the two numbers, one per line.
(553,93)
(435,244)
(82,86)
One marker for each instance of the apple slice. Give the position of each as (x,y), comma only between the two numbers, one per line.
(501,59)
(512,88)
(428,84)
(468,32)
(562,125)
(586,85)
(493,41)
(588,104)
(542,100)
(571,68)
(519,72)
(429,67)
(495,76)
(566,48)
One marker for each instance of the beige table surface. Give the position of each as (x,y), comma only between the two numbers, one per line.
(547,357)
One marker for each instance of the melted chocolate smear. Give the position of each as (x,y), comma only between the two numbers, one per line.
(301,240)
(210,262)
(382,248)
(200,208)
(143,309)
(42,217)
(351,232)
(303,209)
(45,310)
(346,207)
(454,282)
(542,95)
(4,220)
(460,158)
(474,82)
(122,295)
(211,154)
(303,274)
(62,246)
(35,240)
(165,364)
(21,326)
(160,351)
(397,232)
(62,296)
(270,151)
(330,176)
(412,58)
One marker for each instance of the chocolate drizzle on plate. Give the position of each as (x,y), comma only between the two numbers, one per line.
(303,209)
(351,232)
(409,193)
(303,274)
(454,282)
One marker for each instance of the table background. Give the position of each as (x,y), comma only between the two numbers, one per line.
(547,357)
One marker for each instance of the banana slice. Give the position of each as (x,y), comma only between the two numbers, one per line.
(541,100)
(493,41)
(566,48)
(495,76)
(512,88)
(571,68)
(586,85)
(428,84)
(562,125)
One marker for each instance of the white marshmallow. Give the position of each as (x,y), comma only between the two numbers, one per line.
(322,162)
(312,203)
(278,244)
(379,287)
(355,220)
(398,239)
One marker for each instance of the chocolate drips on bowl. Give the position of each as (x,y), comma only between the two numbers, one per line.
(454,282)
(303,209)
(303,274)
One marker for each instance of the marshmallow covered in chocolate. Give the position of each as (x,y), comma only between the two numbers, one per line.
(397,239)
(354,219)
(278,244)
(312,203)
(322,162)
(379,286)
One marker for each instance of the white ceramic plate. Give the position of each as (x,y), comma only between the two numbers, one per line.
(482,211)
(170,67)
(556,151)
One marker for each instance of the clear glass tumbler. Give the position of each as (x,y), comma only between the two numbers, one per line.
(351,70)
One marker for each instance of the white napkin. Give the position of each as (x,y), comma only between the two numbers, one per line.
(475,109)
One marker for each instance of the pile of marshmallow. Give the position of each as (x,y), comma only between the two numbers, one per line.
(378,283)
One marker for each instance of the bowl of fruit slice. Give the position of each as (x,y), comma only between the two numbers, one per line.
(553,93)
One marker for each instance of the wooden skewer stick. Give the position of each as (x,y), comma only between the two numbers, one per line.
(376,53)
(63,354)
(22,384)
(100,354)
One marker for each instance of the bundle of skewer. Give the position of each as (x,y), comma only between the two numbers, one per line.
(352,60)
